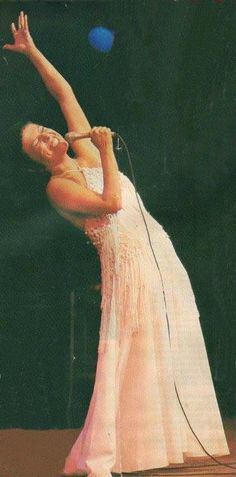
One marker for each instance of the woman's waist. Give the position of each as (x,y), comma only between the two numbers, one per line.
(128,232)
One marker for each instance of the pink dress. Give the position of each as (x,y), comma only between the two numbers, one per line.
(134,421)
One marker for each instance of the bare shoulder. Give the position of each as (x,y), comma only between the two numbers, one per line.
(58,187)
(62,182)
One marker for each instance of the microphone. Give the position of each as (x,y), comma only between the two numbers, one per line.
(72,136)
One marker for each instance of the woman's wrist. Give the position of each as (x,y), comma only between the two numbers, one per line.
(106,151)
(30,53)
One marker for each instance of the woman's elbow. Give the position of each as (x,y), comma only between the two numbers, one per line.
(115,206)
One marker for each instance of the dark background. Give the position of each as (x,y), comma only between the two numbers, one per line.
(168,86)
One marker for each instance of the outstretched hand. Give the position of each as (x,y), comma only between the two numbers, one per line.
(23,41)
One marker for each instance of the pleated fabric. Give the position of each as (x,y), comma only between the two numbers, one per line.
(150,343)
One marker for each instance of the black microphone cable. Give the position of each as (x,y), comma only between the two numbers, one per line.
(120,138)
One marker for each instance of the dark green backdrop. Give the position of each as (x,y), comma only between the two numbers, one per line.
(168,86)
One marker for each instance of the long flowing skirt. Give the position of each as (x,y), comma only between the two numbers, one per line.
(135,421)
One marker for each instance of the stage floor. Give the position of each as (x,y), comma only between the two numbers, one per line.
(35,453)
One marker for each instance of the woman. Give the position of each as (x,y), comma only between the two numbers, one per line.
(135,420)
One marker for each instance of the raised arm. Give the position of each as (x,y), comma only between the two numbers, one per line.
(56,84)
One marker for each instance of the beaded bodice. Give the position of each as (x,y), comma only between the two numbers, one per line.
(128,223)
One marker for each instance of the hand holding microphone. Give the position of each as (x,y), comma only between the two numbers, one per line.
(101,137)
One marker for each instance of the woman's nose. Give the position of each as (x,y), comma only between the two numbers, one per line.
(45,136)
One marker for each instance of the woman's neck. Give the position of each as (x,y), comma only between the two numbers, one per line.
(67,163)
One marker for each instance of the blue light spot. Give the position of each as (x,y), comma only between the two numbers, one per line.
(101,39)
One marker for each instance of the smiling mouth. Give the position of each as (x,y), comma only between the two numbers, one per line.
(55,141)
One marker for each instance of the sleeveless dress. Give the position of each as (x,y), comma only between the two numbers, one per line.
(135,421)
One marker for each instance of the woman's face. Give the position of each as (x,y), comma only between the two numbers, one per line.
(42,144)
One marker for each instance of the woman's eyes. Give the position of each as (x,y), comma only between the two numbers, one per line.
(36,141)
